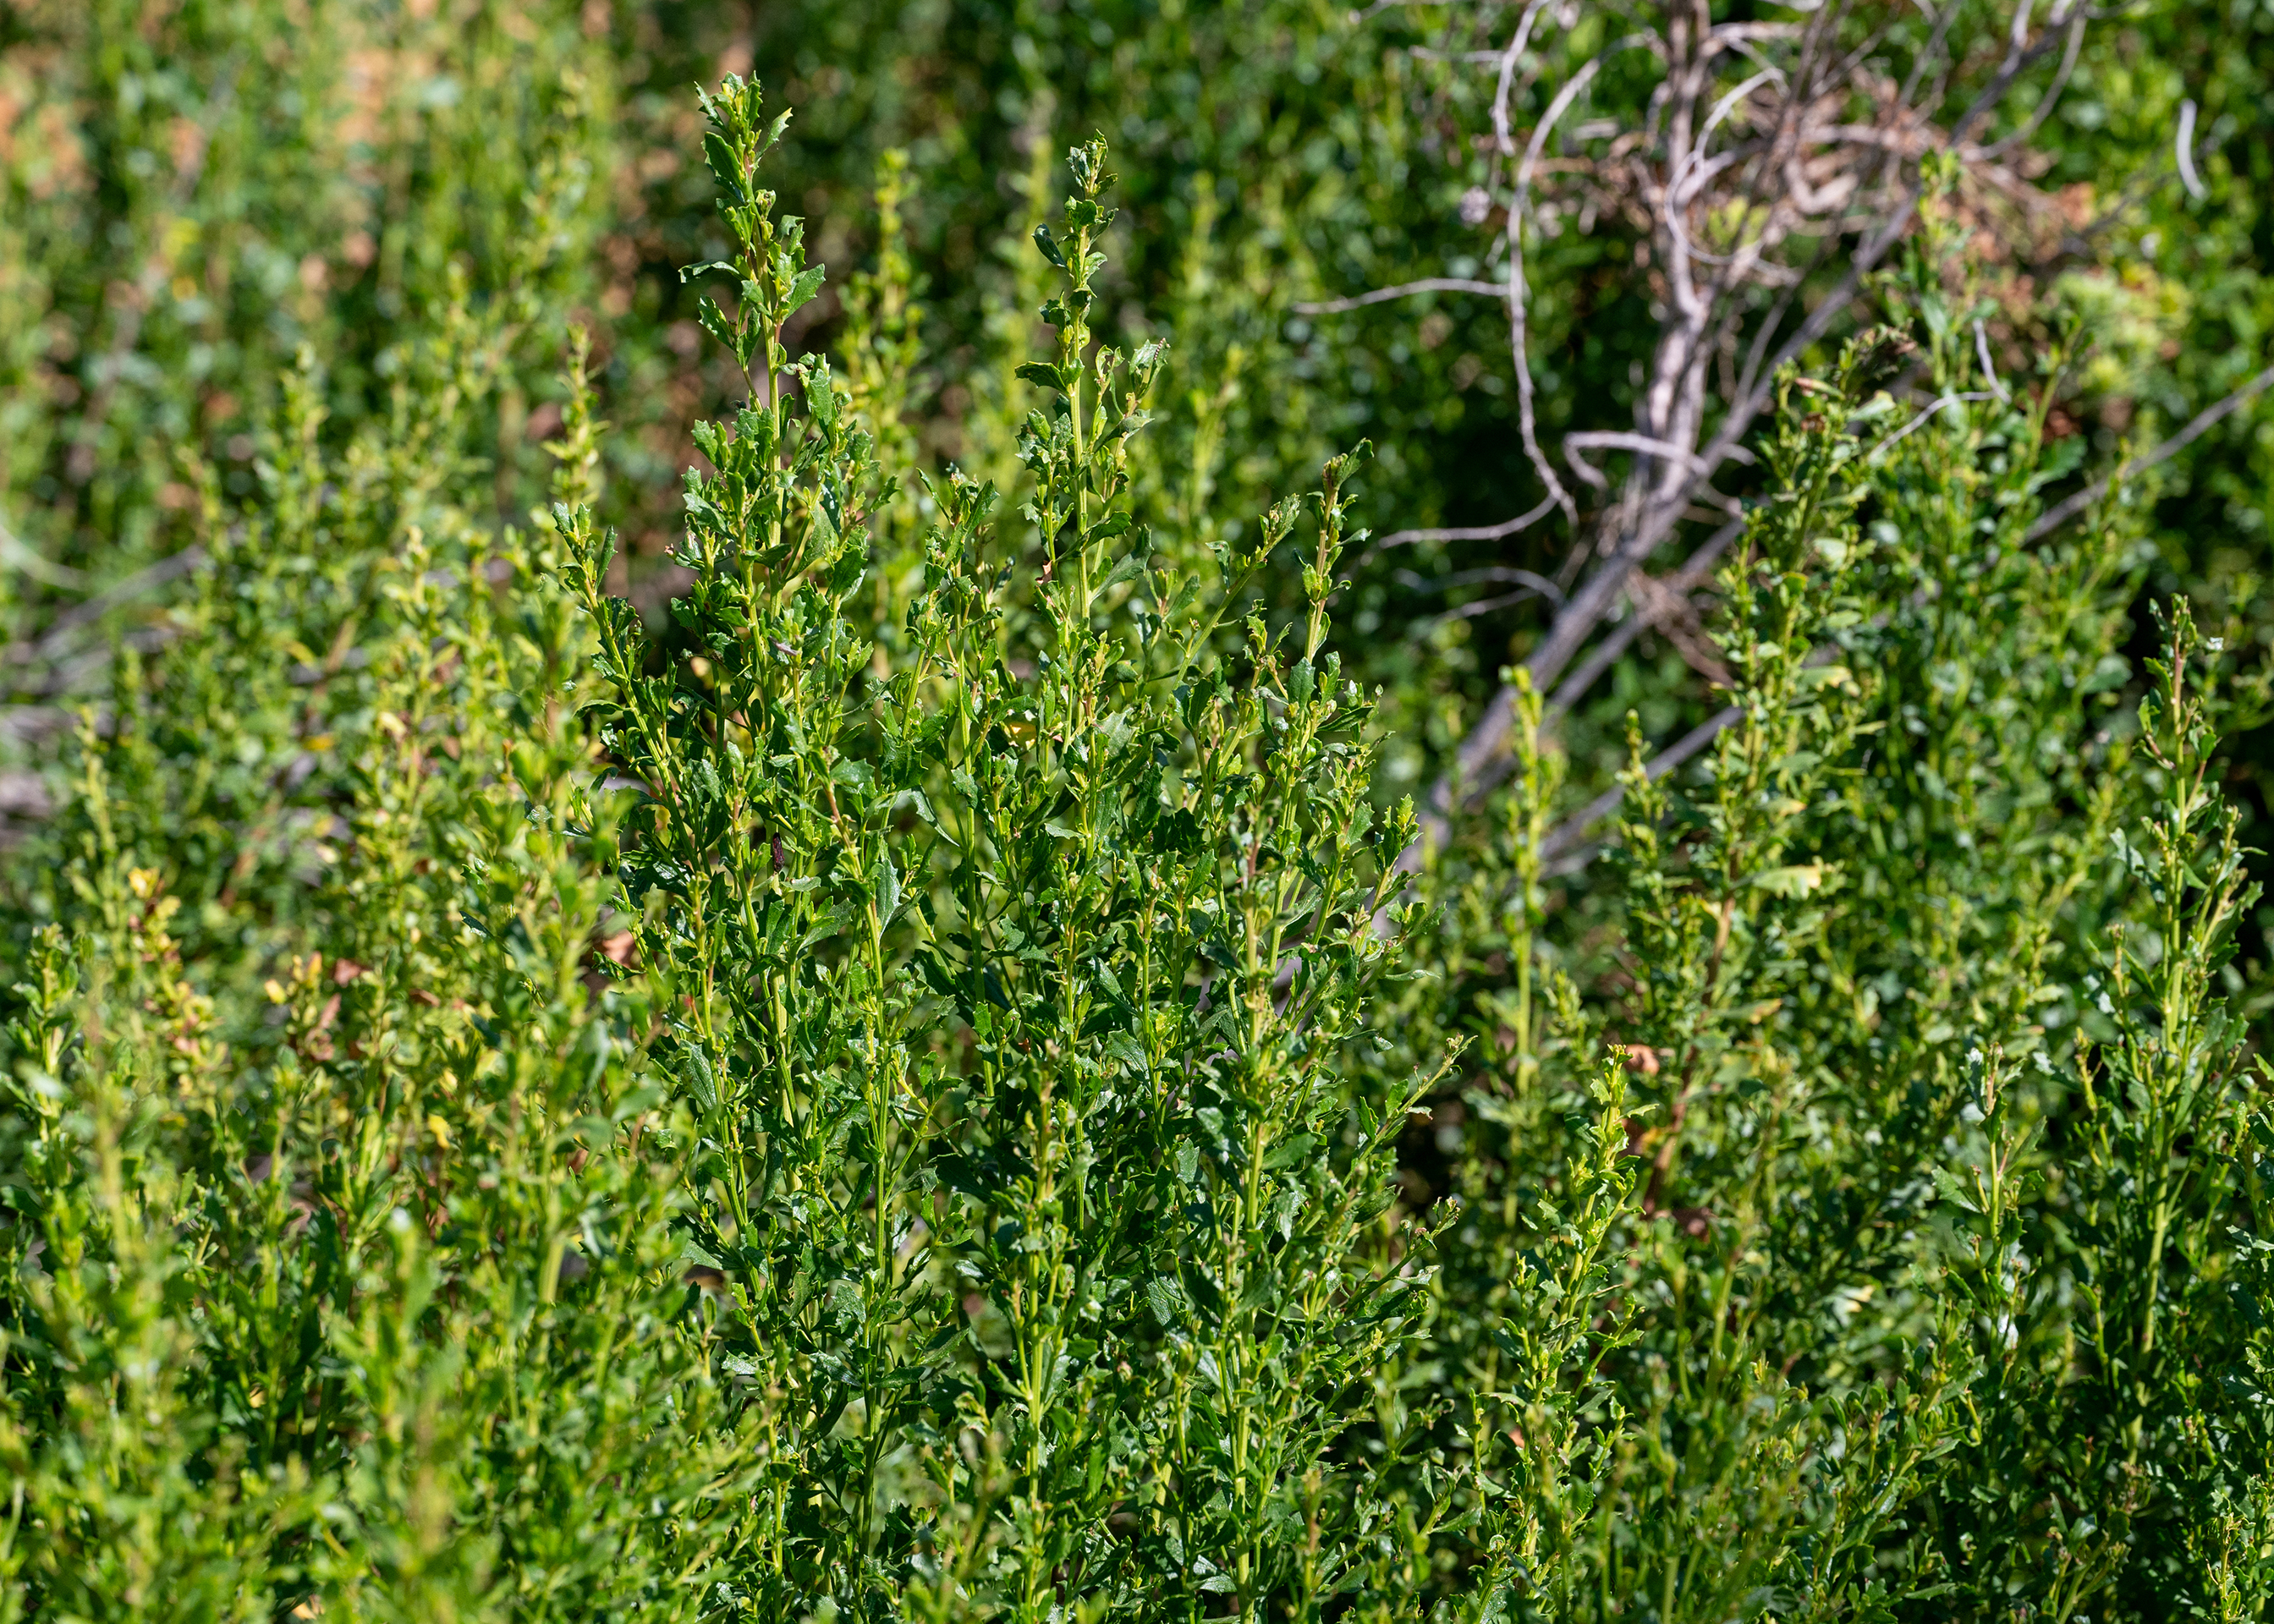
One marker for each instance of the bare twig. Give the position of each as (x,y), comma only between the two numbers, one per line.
(1989,368)
(1606,653)
(1470,610)
(1427,284)
(1675,589)
(23,795)
(1519,340)
(21,723)
(2061,512)
(1496,574)
(54,644)
(1613,439)
(2051,98)
(1480,532)
(1569,833)
(2184,146)
(1924,418)
(17,554)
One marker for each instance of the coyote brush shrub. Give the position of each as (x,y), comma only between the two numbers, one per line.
(1930,1167)
(338,1267)
(1006,1005)
(887,1100)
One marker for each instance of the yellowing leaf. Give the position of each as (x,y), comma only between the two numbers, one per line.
(1796,881)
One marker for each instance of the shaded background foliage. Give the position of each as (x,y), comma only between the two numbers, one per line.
(196,190)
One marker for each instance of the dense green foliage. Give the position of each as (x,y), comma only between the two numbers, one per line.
(864,1031)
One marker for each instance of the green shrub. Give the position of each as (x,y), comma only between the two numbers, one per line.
(338,1267)
(1946,1145)
(888,1099)
(1006,973)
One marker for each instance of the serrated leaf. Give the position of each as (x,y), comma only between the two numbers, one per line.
(802,292)
(723,168)
(715,323)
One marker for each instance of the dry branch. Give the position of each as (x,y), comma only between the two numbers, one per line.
(1766,156)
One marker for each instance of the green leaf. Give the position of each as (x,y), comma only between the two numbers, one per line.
(802,292)
(725,169)
(1951,1191)
(884,883)
(715,323)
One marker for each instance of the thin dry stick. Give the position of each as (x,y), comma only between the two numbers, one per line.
(1617,440)
(1685,580)
(1874,248)
(2062,512)
(167,568)
(2183,147)
(1568,834)
(1679,585)
(1989,368)
(65,661)
(1403,289)
(1476,532)
(15,554)
(1926,417)
(1519,342)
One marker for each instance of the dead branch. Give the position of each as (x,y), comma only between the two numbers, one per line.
(1764,156)
(1563,841)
